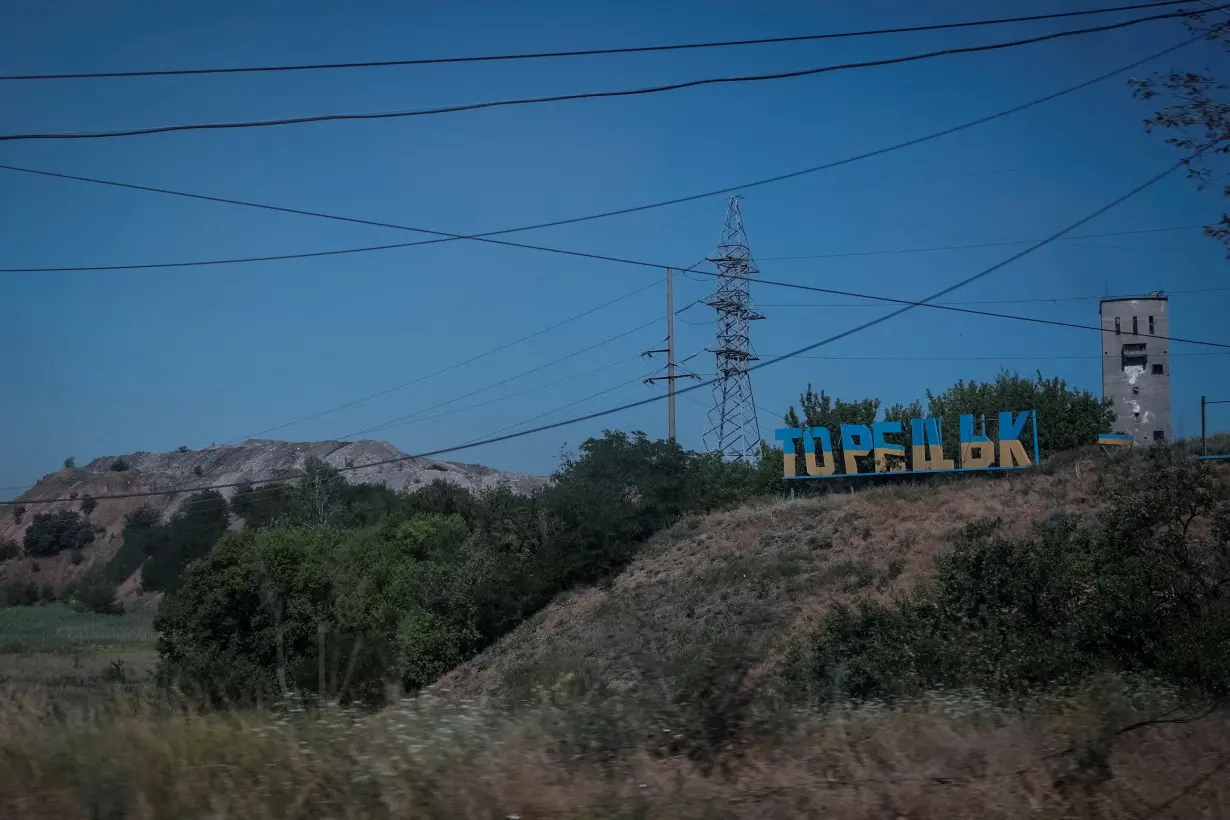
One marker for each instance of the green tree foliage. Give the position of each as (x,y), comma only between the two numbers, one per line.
(821,410)
(70,463)
(9,549)
(142,536)
(261,506)
(18,513)
(1146,590)
(94,593)
(18,593)
(49,533)
(405,587)
(1068,417)
(1197,113)
(183,448)
(190,534)
(119,465)
(88,504)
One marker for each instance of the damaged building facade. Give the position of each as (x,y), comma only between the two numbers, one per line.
(1136,364)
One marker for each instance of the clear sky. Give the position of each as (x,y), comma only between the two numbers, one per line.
(112,362)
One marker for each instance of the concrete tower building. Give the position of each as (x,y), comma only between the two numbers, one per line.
(1136,364)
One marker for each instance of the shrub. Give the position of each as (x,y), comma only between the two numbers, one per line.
(198,471)
(9,549)
(70,463)
(191,533)
(1144,591)
(402,588)
(18,593)
(94,593)
(51,532)
(88,504)
(47,594)
(119,465)
(183,448)
(18,512)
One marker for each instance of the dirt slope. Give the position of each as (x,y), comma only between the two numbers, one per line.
(762,574)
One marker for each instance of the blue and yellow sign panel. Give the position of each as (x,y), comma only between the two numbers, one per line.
(977,451)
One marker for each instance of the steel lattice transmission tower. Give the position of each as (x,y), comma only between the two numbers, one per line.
(734,430)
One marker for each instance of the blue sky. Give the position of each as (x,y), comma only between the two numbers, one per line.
(111,362)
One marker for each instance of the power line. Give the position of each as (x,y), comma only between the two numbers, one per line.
(488,58)
(1037,300)
(703,384)
(972,311)
(409,416)
(941,358)
(591,95)
(454,366)
(933,248)
(487,236)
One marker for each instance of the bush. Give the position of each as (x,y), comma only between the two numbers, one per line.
(70,463)
(51,532)
(1146,590)
(402,588)
(9,549)
(18,512)
(183,448)
(94,593)
(198,471)
(140,535)
(119,465)
(88,504)
(191,533)
(18,593)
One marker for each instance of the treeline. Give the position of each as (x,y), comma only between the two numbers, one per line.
(1068,417)
(349,592)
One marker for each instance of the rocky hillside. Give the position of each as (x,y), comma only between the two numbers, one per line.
(253,461)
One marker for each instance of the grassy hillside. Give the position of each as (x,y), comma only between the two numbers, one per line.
(760,576)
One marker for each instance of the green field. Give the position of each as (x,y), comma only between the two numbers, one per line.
(53,644)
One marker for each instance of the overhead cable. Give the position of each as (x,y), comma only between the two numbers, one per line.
(487,236)
(591,95)
(704,384)
(592,52)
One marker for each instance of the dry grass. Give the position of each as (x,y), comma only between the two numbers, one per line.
(762,576)
(947,759)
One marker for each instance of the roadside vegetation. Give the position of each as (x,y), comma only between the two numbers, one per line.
(656,633)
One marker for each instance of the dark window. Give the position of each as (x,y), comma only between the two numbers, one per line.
(1150,325)
(1134,355)
(1157,370)
(1116,325)
(1159,435)
(1134,330)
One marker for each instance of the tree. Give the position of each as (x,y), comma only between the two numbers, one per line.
(9,549)
(190,534)
(183,448)
(70,463)
(820,410)
(1199,117)
(119,465)
(51,532)
(18,512)
(317,498)
(88,504)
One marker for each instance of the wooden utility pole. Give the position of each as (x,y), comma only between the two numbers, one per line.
(669,350)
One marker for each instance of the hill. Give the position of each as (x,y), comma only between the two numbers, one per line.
(759,577)
(252,461)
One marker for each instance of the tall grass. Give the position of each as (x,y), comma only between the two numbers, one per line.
(948,757)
